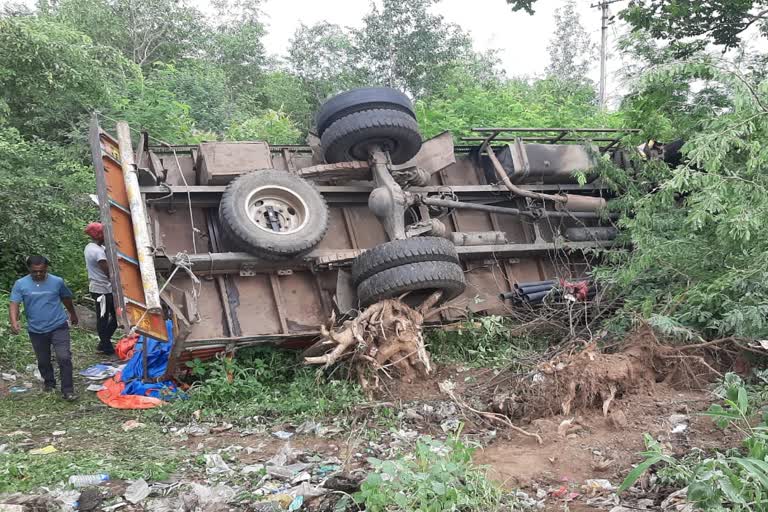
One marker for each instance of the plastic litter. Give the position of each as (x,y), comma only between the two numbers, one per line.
(57,433)
(282,434)
(253,468)
(88,480)
(596,485)
(18,389)
(679,429)
(100,371)
(138,491)
(46,450)
(132,424)
(296,504)
(215,464)
(8,376)
(95,387)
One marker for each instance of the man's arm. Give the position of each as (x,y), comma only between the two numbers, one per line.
(71,309)
(66,298)
(13,314)
(104,267)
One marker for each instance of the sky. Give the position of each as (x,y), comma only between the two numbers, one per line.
(520,39)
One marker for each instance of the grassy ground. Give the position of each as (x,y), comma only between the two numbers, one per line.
(94,441)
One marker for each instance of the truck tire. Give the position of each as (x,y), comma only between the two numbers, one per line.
(357,100)
(273,214)
(424,277)
(401,252)
(349,138)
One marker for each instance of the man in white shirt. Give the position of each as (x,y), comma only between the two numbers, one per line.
(100,287)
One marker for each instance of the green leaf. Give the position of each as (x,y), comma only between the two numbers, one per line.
(637,472)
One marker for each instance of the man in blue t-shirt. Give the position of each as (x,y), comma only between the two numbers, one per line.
(42,295)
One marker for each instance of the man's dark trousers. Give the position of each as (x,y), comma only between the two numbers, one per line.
(60,341)
(106,325)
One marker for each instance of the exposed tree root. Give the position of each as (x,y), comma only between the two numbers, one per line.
(386,336)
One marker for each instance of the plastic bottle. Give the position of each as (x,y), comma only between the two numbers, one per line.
(88,480)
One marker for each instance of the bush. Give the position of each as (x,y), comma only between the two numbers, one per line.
(735,481)
(262,382)
(438,476)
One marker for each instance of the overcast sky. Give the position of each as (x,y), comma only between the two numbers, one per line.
(520,39)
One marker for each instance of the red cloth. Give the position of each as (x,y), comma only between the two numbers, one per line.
(111,396)
(124,347)
(579,289)
(95,230)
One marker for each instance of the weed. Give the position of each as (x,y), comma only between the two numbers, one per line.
(483,341)
(262,382)
(736,480)
(437,476)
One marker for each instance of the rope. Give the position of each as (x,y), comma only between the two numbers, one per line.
(180,261)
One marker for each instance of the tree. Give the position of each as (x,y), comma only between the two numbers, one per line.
(236,46)
(404,45)
(146,31)
(52,76)
(324,57)
(45,206)
(720,22)
(571,50)
(272,126)
(699,258)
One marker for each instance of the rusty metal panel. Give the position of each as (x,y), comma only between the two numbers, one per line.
(219,163)
(338,236)
(256,310)
(302,303)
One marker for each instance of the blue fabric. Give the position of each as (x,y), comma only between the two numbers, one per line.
(42,302)
(157,360)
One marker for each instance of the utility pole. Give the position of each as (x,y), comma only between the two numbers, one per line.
(603,5)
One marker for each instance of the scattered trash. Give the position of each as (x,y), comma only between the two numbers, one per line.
(450,425)
(18,389)
(194,430)
(296,504)
(8,376)
(596,485)
(679,429)
(215,464)
(253,468)
(95,387)
(57,433)
(282,434)
(285,456)
(88,480)
(34,371)
(90,500)
(222,428)
(138,491)
(132,424)
(677,419)
(101,371)
(46,450)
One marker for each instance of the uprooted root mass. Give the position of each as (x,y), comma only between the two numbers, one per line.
(386,337)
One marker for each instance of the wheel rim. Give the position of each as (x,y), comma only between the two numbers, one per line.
(277,210)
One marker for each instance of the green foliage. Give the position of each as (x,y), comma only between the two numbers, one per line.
(699,256)
(712,21)
(571,51)
(723,481)
(51,76)
(45,208)
(463,104)
(145,31)
(436,477)
(200,85)
(262,382)
(486,341)
(273,126)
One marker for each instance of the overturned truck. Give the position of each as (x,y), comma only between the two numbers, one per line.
(243,243)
